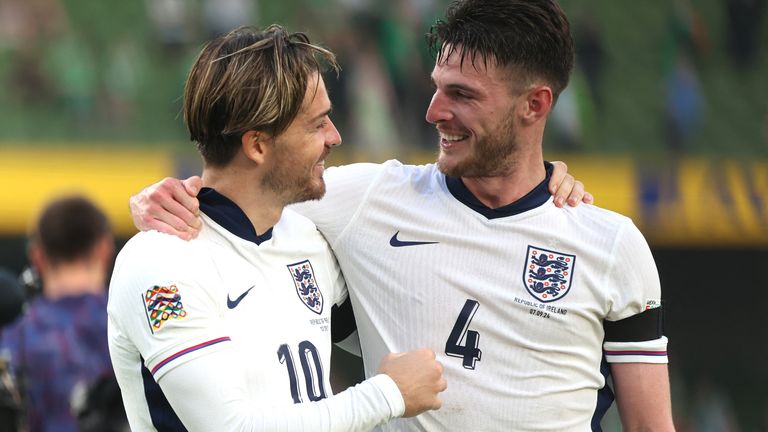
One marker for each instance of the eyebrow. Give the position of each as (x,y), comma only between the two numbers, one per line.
(461,87)
(321,115)
(455,86)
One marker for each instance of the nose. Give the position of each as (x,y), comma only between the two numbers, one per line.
(438,109)
(332,136)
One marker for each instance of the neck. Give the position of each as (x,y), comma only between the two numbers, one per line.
(70,279)
(522,176)
(243,187)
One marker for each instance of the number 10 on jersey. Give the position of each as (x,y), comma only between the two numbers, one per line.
(469,351)
(310,365)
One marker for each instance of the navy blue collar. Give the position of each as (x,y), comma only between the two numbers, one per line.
(538,196)
(227,214)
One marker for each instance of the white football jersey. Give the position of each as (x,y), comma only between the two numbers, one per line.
(234,327)
(513,300)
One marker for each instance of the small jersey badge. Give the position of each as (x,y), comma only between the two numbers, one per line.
(652,304)
(162,304)
(548,274)
(306,286)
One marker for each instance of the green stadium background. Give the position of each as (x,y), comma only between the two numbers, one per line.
(665,120)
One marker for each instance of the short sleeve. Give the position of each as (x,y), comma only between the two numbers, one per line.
(633,322)
(158,301)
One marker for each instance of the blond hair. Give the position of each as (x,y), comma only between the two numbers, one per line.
(249,79)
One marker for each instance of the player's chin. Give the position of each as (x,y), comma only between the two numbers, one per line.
(318,190)
(311,188)
(314,190)
(317,183)
(449,165)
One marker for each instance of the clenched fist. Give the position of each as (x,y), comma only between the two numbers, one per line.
(418,376)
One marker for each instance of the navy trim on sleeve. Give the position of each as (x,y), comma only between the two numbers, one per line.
(164,418)
(645,326)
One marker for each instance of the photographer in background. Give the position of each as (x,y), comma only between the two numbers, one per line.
(58,347)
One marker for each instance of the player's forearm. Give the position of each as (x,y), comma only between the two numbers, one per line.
(643,396)
(359,408)
(649,424)
(206,400)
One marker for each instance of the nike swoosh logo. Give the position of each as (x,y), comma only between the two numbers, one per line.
(233,303)
(394,242)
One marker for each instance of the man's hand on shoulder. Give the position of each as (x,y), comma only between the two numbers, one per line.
(566,188)
(169,206)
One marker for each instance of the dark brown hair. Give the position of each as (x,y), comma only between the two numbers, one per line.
(532,37)
(69,229)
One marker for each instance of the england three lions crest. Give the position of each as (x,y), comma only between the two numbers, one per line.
(306,286)
(548,274)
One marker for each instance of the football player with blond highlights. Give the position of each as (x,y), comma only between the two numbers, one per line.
(231,331)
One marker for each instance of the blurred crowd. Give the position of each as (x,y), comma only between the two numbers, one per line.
(658,77)
(97,70)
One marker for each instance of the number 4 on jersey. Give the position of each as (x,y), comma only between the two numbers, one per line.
(469,351)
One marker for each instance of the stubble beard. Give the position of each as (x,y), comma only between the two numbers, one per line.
(286,183)
(491,156)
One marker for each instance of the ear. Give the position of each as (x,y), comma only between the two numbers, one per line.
(538,104)
(37,258)
(105,248)
(254,145)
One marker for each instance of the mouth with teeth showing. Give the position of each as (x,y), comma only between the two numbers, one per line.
(319,166)
(448,140)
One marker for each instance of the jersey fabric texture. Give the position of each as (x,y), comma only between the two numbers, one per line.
(513,299)
(235,328)
(59,349)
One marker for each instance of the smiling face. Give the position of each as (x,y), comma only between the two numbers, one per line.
(473,109)
(298,162)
